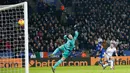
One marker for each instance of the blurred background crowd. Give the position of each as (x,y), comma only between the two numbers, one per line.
(50,21)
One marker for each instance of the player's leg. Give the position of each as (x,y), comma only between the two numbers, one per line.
(100,61)
(101,56)
(64,56)
(57,64)
(107,60)
(56,50)
(112,64)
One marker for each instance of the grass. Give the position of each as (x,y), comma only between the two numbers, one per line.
(71,69)
(82,69)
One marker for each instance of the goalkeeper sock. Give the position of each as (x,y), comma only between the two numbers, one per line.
(56,50)
(57,63)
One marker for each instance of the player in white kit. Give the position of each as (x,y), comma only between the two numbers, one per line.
(108,55)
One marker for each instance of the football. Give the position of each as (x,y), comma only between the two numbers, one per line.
(21,22)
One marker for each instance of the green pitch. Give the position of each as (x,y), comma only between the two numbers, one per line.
(82,69)
(72,69)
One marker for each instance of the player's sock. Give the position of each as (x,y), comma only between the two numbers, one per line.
(111,64)
(57,63)
(53,70)
(100,62)
(56,50)
(106,65)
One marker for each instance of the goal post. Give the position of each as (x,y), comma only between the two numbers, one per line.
(14,52)
(26,38)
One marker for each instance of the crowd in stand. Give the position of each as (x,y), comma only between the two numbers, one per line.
(107,19)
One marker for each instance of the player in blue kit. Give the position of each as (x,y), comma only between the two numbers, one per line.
(100,51)
(66,48)
(101,55)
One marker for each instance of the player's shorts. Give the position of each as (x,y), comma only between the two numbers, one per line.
(107,57)
(101,56)
(102,53)
(61,47)
(66,53)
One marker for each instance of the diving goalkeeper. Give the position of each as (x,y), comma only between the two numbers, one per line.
(66,48)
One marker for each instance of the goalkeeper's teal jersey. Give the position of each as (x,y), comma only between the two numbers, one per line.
(70,44)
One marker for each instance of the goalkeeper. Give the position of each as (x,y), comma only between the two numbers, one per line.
(66,48)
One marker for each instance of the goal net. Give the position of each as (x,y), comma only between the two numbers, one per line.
(13,38)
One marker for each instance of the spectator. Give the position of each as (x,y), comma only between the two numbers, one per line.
(121,51)
(73,54)
(8,46)
(83,55)
(33,55)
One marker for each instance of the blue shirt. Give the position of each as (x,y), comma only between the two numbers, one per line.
(98,46)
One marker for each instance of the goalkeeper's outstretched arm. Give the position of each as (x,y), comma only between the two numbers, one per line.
(76,34)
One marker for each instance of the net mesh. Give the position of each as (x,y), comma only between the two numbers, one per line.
(12,48)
